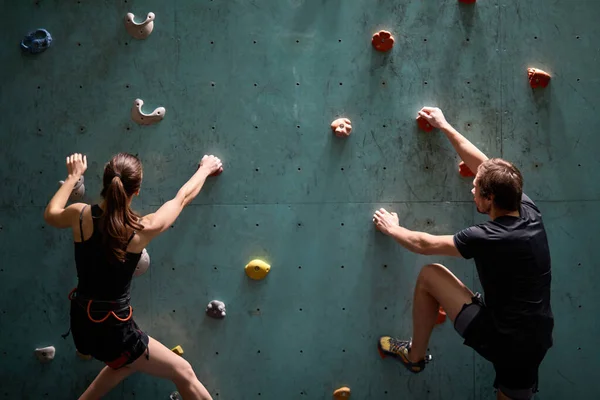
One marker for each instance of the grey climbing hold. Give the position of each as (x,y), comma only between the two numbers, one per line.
(143,264)
(78,190)
(175,396)
(45,354)
(216,309)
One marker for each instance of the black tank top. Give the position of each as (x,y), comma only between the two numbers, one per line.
(99,279)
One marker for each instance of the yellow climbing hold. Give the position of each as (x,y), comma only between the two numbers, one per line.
(177,350)
(84,357)
(342,393)
(257,269)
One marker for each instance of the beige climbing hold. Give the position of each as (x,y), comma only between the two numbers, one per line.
(141,30)
(45,354)
(146,119)
(177,350)
(85,357)
(342,393)
(257,269)
(341,127)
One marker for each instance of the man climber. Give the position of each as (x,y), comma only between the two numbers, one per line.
(513,327)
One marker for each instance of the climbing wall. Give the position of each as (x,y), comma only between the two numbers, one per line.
(257,82)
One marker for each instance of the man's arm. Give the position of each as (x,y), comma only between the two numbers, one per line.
(424,243)
(467,151)
(417,242)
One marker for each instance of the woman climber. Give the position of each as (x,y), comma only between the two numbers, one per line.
(109,239)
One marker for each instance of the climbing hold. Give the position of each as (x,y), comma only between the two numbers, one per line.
(36,41)
(146,119)
(216,309)
(175,396)
(257,269)
(342,127)
(383,41)
(45,354)
(143,264)
(467,1)
(441,316)
(217,173)
(78,190)
(464,170)
(423,124)
(177,350)
(141,30)
(342,393)
(538,78)
(85,357)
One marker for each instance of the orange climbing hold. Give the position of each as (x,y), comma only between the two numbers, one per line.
(423,124)
(383,41)
(441,316)
(342,393)
(464,170)
(538,78)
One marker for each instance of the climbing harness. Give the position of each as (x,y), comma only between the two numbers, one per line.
(111,307)
(36,41)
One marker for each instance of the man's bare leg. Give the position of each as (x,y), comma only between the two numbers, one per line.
(435,286)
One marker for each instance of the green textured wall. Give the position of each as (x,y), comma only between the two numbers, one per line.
(292,193)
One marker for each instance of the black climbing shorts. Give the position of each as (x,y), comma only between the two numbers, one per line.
(516,364)
(113,342)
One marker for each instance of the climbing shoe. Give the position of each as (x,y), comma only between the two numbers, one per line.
(389,346)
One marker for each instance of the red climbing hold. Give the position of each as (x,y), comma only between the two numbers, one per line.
(467,1)
(383,41)
(538,78)
(464,170)
(217,173)
(423,124)
(441,316)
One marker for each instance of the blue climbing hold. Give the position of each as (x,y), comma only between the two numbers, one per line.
(36,41)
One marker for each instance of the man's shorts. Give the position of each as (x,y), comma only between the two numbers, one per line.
(516,365)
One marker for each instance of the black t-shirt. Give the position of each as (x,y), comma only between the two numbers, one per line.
(513,263)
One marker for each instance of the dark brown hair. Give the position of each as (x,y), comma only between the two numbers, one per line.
(122,178)
(503,180)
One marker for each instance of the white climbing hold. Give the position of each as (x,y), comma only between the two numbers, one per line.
(146,119)
(78,190)
(45,354)
(143,264)
(141,30)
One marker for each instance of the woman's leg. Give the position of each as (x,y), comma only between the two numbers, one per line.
(107,379)
(163,363)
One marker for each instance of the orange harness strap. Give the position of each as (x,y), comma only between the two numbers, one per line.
(89,305)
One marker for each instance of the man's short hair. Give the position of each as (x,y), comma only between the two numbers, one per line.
(501,179)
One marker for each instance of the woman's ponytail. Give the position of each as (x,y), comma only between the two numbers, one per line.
(122,178)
